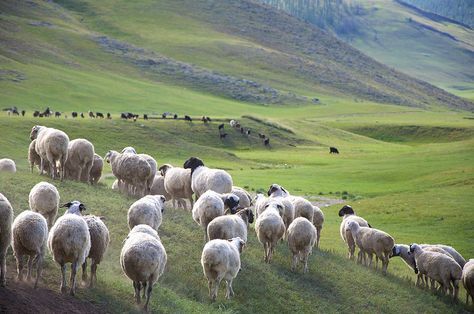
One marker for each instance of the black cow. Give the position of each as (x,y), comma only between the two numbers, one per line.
(145,116)
(188,118)
(82,115)
(57,114)
(74,114)
(36,113)
(333,150)
(23,113)
(261,135)
(175,116)
(266,141)
(99,115)
(91,114)
(109,116)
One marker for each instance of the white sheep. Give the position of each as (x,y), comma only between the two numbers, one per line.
(439,267)
(177,183)
(277,192)
(372,241)
(80,158)
(30,233)
(100,239)
(211,205)
(220,259)
(153,168)
(34,159)
(147,210)
(96,170)
(270,228)
(7,165)
(204,178)
(44,199)
(230,226)
(303,207)
(245,200)
(318,221)
(260,201)
(143,259)
(51,145)
(468,280)
(301,239)
(69,241)
(6,215)
(131,170)
(129,150)
(348,214)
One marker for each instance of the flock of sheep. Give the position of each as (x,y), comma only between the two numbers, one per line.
(222,210)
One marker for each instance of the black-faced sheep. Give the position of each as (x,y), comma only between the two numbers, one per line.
(348,214)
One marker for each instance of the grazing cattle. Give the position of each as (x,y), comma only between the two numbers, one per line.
(221,127)
(91,114)
(47,112)
(41,115)
(222,135)
(36,113)
(187,118)
(74,114)
(175,116)
(204,119)
(145,116)
(109,116)
(82,114)
(123,116)
(333,150)
(23,113)
(266,141)
(57,114)
(163,116)
(261,135)
(99,115)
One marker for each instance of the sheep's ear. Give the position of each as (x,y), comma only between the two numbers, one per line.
(279,207)
(67,205)
(283,189)
(163,198)
(369,225)
(82,207)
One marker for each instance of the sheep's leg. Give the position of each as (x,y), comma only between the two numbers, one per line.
(63,278)
(148,294)
(265,245)
(19,267)
(137,287)
(144,289)
(84,270)
(376,261)
(30,266)
(41,165)
(230,291)
(217,283)
(62,163)
(209,285)
(39,267)
(174,203)
(305,261)
(318,236)
(384,260)
(72,279)
(294,261)
(370,255)
(93,274)
(456,289)
(192,202)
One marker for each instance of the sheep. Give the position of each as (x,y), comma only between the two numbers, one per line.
(129,169)
(158,188)
(211,205)
(437,266)
(204,178)
(7,165)
(69,241)
(129,150)
(318,221)
(143,259)
(301,239)
(278,192)
(44,199)
(187,118)
(468,280)
(153,168)
(372,241)
(177,183)
(100,238)
(230,226)
(270,228)
(147,210)
(220,259)
(51,145)
(35,159)
(80,158)
(245,200)
(260,201)
(96,170)
(6,214)
(30,233)
(348,214)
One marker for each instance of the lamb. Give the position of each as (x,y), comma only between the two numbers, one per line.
(147,210)
(6,214)
(143,259)
(153,168)
(204,178)
(51,145)
(7,165)
(468,280)
(80,158)
(44,199)
(35,159)
(318,221)
(69,241)
(278,192)
(177,183)
(96,170)
(301,239)
(30,233)
(439,267)
(211,205)
(348,214)
(372,241)
(220,259)
(270,228)
(129,169)
(245,200)
(100,238)
(230,226)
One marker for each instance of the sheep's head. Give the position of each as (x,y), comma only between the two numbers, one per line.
(34,132)
(192,163)
(160,199)
(163,169)
(346,210)
(129,150)
(74,207)
(403,251)
(238,242)
(276,205)
(277,190)
(352,225)
(142,228)
(414,247)
(232,202)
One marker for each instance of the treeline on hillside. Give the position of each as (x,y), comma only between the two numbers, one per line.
(461,11)
(335,15)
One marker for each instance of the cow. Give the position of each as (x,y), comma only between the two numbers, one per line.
(333,150)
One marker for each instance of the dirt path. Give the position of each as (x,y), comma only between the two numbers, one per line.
(325,201)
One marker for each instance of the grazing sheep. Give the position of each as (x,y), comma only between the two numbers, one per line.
(44,199)
(177,183)
(318,221)
(7,165)
(211,205)
(23,112)
(80,158)
(204,178)
(230,226)
(57,114)
(372,241)
(348,214)
(130,169)
(153,168)
(51,145)
(468,280)
(452,251)
(270,228)
(145,116)
(30,233)
(301,239)
(233,123)
(100,238)
(148,210)
(6,215)
(96,170)
(143,260)
(220,259)
(69,241)
(439,267)
(245,200)
(279,193)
